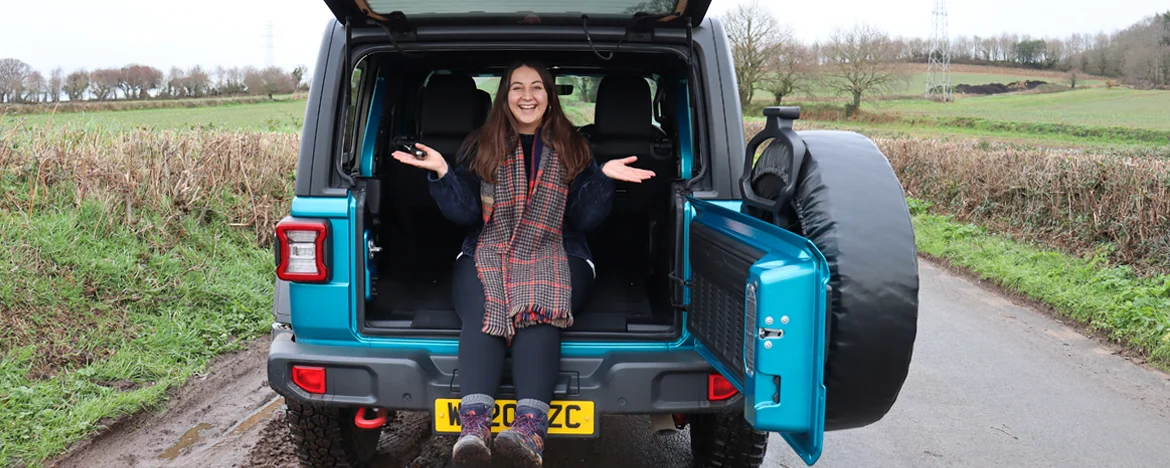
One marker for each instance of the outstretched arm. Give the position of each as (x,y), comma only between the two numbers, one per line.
(591,198)
(456,190)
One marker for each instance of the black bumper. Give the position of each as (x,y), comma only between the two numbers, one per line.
(619,383)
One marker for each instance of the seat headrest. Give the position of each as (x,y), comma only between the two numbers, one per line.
(449,105)
(485,106)
(623,106)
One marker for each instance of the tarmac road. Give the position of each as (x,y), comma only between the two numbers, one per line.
(992,384)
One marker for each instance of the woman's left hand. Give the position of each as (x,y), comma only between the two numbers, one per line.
(618,169)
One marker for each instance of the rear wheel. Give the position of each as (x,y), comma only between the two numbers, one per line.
(726,440)
(325,436)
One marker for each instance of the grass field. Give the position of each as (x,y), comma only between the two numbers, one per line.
(282,116)
(915,85)
(1091,107)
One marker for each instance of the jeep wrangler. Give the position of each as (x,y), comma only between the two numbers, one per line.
(751,287)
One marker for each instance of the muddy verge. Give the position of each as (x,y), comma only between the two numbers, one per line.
(212,420)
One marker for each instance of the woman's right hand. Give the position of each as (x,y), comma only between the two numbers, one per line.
(434,161)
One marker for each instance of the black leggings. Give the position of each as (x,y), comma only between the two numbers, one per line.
(536,350)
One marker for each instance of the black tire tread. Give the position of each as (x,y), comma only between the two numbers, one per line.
(726,440)
(326,437)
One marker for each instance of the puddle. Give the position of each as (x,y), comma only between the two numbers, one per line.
(258,416)
(189,438)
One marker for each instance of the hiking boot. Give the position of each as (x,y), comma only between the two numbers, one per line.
(471,449)
(522,445)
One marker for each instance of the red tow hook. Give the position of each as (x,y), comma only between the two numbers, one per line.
(360,420)
(680,421)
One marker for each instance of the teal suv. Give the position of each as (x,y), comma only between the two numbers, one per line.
(752,287)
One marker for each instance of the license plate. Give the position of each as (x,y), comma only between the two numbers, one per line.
(564,417)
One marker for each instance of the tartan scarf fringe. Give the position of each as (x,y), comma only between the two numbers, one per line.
(528,315)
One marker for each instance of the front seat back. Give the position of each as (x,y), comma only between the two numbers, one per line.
(450,108)
(623,126)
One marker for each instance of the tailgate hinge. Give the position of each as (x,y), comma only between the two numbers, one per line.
(398,27)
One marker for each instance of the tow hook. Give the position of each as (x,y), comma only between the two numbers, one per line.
(361,420)
(680,421)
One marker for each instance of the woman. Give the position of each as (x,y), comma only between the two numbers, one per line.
(528,188)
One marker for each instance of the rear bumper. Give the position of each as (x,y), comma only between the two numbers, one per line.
(618,383)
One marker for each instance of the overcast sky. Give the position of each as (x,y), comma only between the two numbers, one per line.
(87,34)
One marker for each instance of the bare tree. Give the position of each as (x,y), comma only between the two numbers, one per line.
(34,87)
(788,71)
(198,83)
(103,83)
(12,75)
(174,86)
(860,62)
(269,81)
(76,84)
(753,32)
(56,84)
(298,75)
(229,81)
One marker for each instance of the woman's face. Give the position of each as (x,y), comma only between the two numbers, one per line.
(527,99)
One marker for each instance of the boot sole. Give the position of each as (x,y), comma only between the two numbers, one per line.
(510,453)
(471,456)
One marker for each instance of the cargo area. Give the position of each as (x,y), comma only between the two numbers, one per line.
(627,106)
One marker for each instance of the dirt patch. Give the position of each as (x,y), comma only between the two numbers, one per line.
(998,88)
(212,420)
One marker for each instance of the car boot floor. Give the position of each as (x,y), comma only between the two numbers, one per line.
(619,302)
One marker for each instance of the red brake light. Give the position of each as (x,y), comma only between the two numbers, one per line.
(301,248)
(311,379)
(718,388)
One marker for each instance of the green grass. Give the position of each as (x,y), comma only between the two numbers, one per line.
(1097,107)
(1099,139)
(102,317)
(1093,117)
(916,84)
(1108,299)
(280,116)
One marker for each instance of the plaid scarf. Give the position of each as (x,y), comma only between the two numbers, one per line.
(521,255)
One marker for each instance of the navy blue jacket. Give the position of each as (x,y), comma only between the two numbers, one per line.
(589,201)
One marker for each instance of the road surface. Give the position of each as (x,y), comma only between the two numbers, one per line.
(992,384)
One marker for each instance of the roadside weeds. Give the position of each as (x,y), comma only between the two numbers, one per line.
(1106,300)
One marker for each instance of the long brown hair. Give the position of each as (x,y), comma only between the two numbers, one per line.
(497,138)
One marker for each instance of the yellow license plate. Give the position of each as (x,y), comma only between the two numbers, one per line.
(564,417)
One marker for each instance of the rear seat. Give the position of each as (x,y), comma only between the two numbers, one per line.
(623,127)
(449,111)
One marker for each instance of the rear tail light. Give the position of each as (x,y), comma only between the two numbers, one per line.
(310,379)
(719,388)
(301,250)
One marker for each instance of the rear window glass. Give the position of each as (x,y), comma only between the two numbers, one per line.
(491,7)
(579,105)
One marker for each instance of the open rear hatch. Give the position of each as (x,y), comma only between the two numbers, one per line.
(652,13)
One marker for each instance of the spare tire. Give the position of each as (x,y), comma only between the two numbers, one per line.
(850,204)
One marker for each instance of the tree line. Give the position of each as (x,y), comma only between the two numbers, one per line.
(1138,54)
(20,83)
(863,61)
